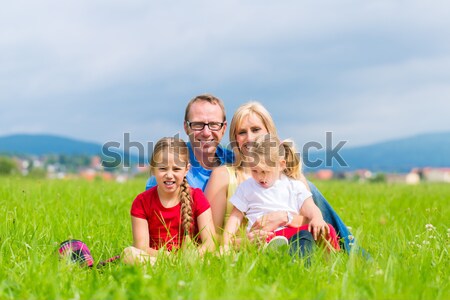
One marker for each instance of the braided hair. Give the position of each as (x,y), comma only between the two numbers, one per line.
(186,208)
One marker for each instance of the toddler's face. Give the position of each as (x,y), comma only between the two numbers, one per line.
(265,175)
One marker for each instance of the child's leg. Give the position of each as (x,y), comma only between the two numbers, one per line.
(332,239)
(132,255)
(302,244)
(288,232)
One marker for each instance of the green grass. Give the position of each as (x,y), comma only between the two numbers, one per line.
(389,221)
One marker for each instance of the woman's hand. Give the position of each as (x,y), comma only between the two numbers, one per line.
(258,236)
(318,227)
(271,221)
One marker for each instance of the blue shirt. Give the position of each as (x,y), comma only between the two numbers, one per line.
(198,176)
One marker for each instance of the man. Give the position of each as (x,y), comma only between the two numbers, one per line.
(205,124)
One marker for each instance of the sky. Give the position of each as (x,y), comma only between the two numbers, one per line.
(367,71)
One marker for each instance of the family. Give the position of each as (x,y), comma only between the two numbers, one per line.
(202,193)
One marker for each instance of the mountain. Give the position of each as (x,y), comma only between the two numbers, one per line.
(40,144)
(400,155)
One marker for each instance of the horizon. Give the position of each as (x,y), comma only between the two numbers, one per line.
(331,156)
(186,139)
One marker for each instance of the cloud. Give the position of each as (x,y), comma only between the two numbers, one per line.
(96,69)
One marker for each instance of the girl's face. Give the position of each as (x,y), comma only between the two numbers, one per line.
(250,128)
(266,175)
(169,173)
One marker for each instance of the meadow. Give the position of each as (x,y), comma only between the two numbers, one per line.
(404,228)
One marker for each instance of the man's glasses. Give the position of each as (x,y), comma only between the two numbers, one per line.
(197,126)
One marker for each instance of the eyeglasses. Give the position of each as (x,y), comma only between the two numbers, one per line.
(197,126)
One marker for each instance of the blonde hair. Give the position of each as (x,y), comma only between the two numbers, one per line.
(243,111)
(268,149)
(179,148)
(207,98)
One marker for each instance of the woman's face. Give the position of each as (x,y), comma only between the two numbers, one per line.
(250,128)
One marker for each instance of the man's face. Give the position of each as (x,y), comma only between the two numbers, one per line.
(205,140)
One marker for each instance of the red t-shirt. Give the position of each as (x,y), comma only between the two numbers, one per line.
(164,224)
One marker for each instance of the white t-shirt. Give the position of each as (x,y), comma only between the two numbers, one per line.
(286,194)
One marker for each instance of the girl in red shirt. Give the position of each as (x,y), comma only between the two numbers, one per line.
(171,213)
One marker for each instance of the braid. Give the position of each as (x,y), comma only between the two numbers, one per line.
(186,207)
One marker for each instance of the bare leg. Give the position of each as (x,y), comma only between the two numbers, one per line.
(134,256)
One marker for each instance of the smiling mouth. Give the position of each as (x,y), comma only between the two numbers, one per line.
(169,183)
(205,143)
(248,146)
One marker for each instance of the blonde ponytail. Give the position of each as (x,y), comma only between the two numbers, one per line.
(293,161)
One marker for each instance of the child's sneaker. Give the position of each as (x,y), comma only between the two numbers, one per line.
(77,252)
(276,242)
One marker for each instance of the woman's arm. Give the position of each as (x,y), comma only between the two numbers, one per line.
(233,223)
(207,231)
(273,220)
(317,225)
(216,193)
(141,239)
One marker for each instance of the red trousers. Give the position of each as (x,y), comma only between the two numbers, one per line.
(288,232)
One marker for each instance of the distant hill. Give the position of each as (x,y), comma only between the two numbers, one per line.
(39,144)
(400,155)
(42,144)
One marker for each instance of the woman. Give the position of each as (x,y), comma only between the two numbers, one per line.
(249,121)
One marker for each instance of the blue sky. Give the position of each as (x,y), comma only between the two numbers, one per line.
(367,71)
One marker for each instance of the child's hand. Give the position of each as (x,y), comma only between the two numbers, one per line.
(318,227)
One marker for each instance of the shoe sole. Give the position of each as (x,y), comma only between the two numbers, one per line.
(276,243)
